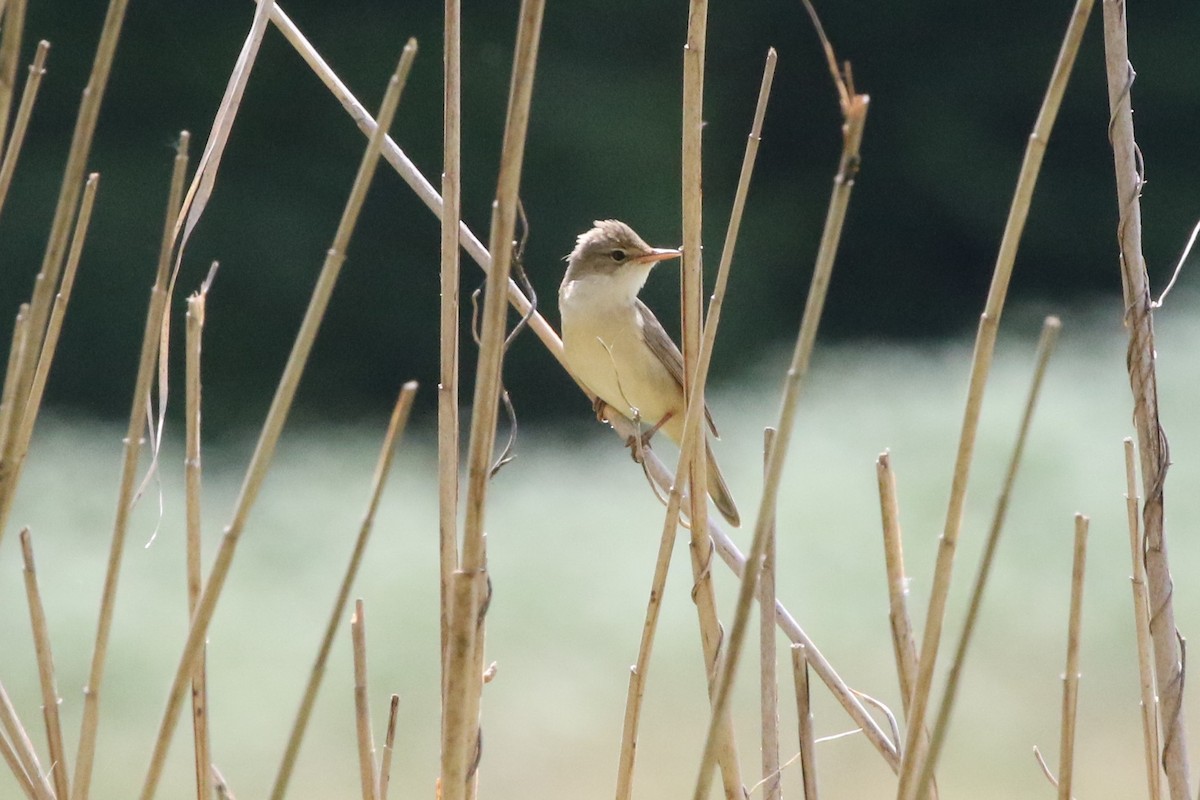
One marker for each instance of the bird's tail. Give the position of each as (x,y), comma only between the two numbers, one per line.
(719,492)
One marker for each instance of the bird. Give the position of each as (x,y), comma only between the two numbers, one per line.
(617,348)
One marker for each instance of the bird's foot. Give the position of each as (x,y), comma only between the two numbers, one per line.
(601,409)
(637,444)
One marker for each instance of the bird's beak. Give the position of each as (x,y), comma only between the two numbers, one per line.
(658,254)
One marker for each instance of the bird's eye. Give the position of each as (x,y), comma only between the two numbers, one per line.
(618,255)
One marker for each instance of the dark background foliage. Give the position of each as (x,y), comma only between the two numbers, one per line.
(955,88)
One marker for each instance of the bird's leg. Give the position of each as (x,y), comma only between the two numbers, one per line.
(638,443)
(601,409)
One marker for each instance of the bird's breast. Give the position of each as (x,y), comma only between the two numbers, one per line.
(605,349)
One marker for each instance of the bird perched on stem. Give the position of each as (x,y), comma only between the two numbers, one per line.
(614,344)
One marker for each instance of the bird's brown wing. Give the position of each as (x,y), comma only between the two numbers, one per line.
(659,342)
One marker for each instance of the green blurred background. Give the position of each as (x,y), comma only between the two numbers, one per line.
(955,89)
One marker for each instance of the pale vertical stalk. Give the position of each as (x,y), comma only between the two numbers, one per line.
(12,27)
(1141,626)
(14,764)
(8,164)
(10,417)
(25,410)
(925,783)
(691,311)
(396,426)
(464,680)
(389,741)
(1143,381)
(1066,751)
(768,681)
(72,182)
(638,672)
(448,425)
(192,483)
(693,433)
(45,661)
(808,750)
(474,248)
(281,404)
(25,754)
(981,361)
(362,708)
(852,130)
(81,782)
(736,562)
(904,646)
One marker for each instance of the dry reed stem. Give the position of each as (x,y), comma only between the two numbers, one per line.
(26,755)
(25,407)
(281,404)
(11,30)
(209,164)
(736,561)
(925,783)
(192,483)
(72,182)
(904,645)
(14,764)
(843,183)
(396,426)
(464,667)
(688,446)
(726,548)
(9,419)
(1141,626)
(194,204)
(45,661)
(362,708)
(389,741)
(13,151)
(808,750)
(639,671)
(448,396)
(457,725)
(221,785)
(691,310)
(981,361)
(1066,751)
(85,752)
(768,681)
(1152,443)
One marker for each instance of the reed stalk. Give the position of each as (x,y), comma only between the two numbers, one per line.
(464,679)
(12,18)
(72,185)
(981,362)
(926,786)
(281,404)
(389,741)
(768,682)
(448,394)
(1143,382)
(192,484)
(59,771)
(362,707)
(693,434)
(808,749)
(1141,626)
(21,124)
(1066,750)
(86,751)
(843,183)
(396,427)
